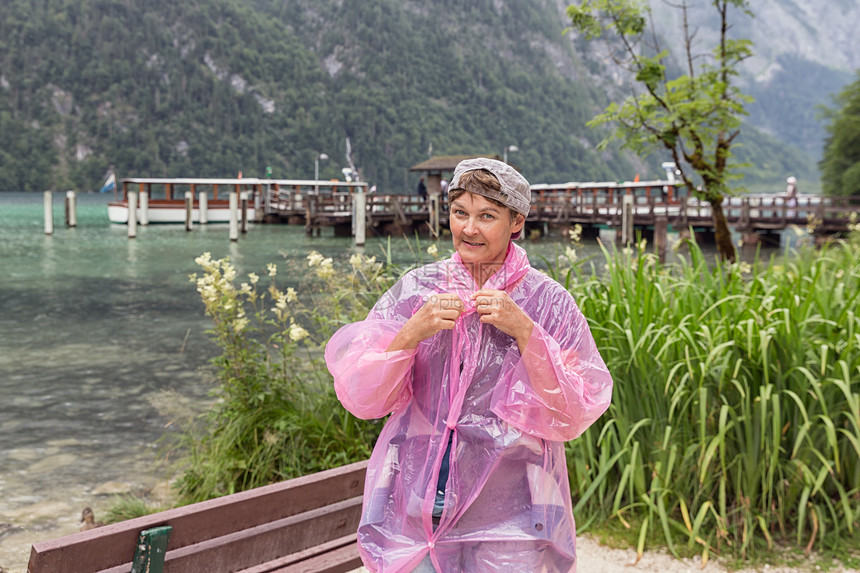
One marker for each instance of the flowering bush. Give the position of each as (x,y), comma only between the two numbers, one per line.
(276,415)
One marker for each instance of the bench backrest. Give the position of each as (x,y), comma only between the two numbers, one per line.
(224,534)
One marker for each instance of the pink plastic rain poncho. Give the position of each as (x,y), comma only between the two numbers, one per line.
(507,501)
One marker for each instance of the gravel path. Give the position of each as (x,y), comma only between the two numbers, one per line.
(597,558)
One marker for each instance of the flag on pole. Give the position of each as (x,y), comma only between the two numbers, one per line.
(109,184)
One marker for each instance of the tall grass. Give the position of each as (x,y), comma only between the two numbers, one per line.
(735,418)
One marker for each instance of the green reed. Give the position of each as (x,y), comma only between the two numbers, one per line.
(735,418)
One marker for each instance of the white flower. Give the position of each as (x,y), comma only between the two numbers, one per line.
(570,253)
(240,324)
(297,332)
(209,293)
(291,295)
(355,260)
(650,260)
(272,268)
(229,272)
(432,250)
(315,259)
(245,288)
(326,269)
(253,278)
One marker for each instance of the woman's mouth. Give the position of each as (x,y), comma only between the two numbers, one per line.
(473,243)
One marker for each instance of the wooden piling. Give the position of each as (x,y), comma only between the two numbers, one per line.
(433,206)
(234,216)
(750,238)
(189,210)
(132,214)
(71,209)
(144,207)
(627,220)
(359,200)
(310,214)
(203,208)
(243,200)
(661,230)
(49,212)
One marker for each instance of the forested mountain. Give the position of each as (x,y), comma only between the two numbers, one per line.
(215,87)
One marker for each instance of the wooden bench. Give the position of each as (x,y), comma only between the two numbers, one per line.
(305,524)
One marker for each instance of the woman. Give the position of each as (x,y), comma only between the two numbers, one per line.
(487,367)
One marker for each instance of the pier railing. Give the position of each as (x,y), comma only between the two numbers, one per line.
(330,203)
(593,205)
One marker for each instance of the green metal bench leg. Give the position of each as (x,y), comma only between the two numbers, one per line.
(151,549)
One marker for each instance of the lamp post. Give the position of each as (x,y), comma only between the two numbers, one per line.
(512,149)
(322,156)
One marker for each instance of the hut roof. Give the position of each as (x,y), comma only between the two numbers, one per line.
(446,162)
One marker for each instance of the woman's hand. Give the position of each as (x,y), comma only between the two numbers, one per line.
(440,312)
(496,307)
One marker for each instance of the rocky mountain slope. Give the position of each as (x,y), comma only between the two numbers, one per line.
(804,52)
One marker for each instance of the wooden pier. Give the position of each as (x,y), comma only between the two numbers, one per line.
(594,206)
(755,216)
(591,205)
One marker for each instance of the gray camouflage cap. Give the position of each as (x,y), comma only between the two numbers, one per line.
(515,192)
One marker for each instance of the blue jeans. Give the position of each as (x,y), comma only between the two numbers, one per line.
(426,566)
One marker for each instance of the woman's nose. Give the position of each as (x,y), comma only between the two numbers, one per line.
(471,226)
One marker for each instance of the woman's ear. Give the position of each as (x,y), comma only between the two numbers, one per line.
(519,221)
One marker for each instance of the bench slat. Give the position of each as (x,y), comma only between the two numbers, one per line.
(344,549)
(114,545)
(266,542)
(340,560)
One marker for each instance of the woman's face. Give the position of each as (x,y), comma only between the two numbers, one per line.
(481,230)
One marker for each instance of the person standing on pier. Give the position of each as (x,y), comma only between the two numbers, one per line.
(422,190)
(486,367)
(791,197)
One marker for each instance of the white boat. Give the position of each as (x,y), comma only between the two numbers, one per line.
(165,201)
(161,211)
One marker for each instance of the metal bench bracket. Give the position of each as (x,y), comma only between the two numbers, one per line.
(151,549)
